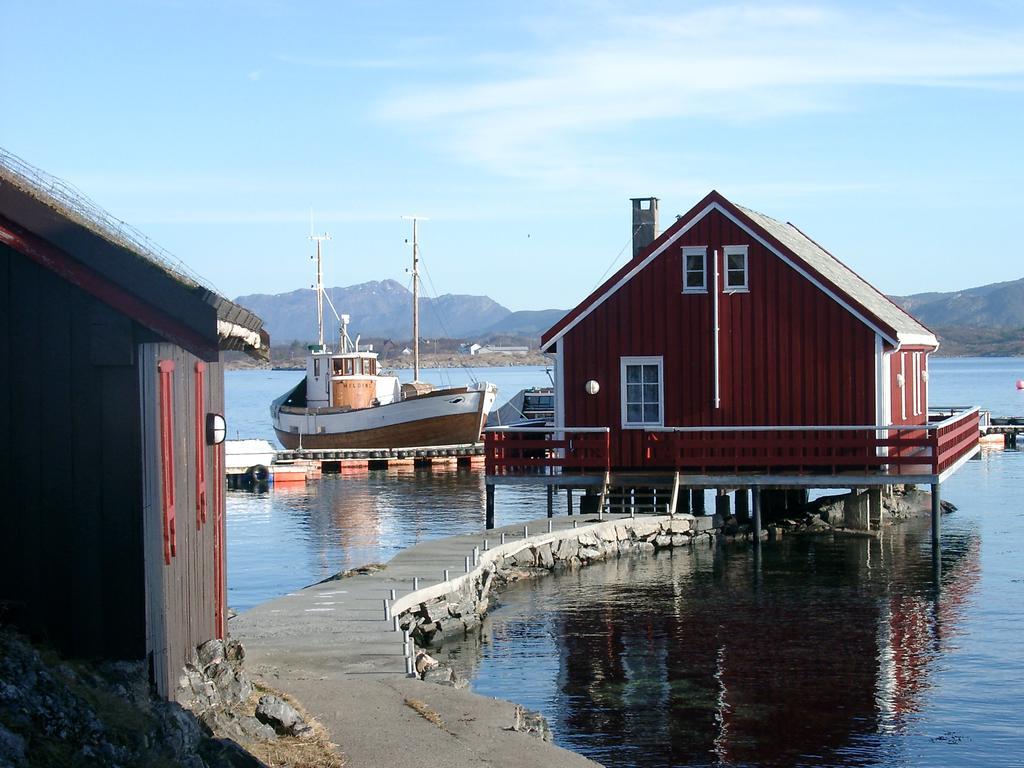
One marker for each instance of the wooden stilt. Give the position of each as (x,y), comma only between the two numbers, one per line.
(551,501)
(755,494)
(489,523)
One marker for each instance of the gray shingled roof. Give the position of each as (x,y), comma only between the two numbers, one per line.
(840,275)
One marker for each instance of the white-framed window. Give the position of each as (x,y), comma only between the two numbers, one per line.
(643,392)
(695,269)
(736,268)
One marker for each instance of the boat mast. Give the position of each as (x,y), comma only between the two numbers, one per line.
(320,287)
(415,298)
(415,305)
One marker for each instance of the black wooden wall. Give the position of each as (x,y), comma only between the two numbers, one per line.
(71,554)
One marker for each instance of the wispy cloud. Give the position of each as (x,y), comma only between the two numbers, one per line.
(543,114)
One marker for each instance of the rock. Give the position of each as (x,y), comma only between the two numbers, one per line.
(544,557)
(679,540)
(439,674)
(590,553)
(644,528)
(567,549)
(225,753)
(607,533)
(587,540)
(525,558)
(281,716)
(533,723)
(232,685)
(211,652)
(12,748)
(234,651)
(663,542)
(645,546)
(424,661)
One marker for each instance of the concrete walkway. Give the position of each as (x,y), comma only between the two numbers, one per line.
(333,648)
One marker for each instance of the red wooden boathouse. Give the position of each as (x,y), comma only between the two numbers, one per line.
(736,351)
(111,391)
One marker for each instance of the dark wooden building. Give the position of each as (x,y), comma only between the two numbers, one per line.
(111,387)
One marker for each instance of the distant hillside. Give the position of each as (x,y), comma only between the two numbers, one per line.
(999,305)
(384,309)
(987,321)
(527,322)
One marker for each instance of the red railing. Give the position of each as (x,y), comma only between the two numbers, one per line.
(540,450)
(930,448)
(918,449)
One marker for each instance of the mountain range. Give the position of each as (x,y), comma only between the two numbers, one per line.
(383,309)
(987,320)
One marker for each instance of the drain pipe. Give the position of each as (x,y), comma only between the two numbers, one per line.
(714,304)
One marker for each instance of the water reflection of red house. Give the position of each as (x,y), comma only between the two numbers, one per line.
(759,675)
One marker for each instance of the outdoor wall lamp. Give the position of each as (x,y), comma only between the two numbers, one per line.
(592,387)
(216,429)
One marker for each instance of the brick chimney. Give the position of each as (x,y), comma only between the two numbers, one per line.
(645,222)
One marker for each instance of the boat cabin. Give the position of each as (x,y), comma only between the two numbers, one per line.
(349,380)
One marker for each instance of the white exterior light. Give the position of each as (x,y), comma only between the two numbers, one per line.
(592,387)
(216,429)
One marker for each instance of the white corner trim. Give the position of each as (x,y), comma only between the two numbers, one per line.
(692,223)
(917,340)
(560,387)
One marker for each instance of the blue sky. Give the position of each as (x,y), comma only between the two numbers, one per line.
(891,133)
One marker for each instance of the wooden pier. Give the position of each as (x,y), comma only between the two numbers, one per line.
(348,460)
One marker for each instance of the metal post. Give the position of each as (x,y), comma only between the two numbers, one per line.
(575,523)
(387,609)
(415,583)
(936,515)
(551,501)
(489,524)
(392,593)
(487,545)
(410,667)
(549,525)
(476,555)
(526,531)
(469,560)
(397,626)
(755,496)
(445,574)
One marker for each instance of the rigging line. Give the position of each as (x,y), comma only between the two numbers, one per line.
(440,319)
(437,312)
(617,255)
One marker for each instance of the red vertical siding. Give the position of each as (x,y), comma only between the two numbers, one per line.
(789,354)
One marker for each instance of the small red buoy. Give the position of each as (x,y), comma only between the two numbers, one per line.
(1020,383)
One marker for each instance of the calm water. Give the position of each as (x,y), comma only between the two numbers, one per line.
(815,653)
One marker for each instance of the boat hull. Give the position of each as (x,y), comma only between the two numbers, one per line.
(446,417)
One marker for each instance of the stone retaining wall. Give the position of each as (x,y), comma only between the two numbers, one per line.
(460,603)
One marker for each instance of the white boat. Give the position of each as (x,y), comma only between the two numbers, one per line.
(346,401)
